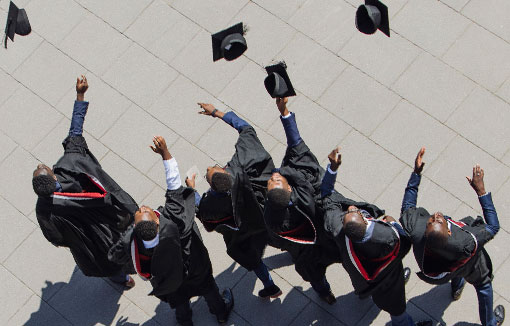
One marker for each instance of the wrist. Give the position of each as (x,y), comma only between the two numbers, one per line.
(480,192)
(334,166)
(219,114)
(80,97)
(418,172)
(166,155)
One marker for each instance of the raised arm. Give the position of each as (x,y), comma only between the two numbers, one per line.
(411,193)
(80,107)
(289,123)
(173,177)
(328,181)
(230,117)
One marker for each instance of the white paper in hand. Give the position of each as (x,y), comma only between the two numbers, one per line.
(194,170)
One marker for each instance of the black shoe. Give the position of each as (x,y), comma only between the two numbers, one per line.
(457,293)
(427,323)
(228,297)
(407,274)
(499,313)
(272,291)
(328,298)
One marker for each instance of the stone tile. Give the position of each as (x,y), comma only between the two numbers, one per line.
(283,9)
(106,105)
(429,24)
(212,15)
(136,129)
(330,23)
(312,314)
(130,179)
(37,312)
(391,198)
(18,295)
(491,15)
(9,86)
(109,11)
(394,7)
(278,152)
(18,51)
(34,263)
(481,56)
(433,86)
(162,30)
(4,6)
(506,158)
(16,175)
(346,191)
(130,314)
(464,210)
(311,71)
(37,116)
(497,248)
(218,142)
(59,73)
(246,95)
(212,76)
(368,167)
(500,283)
(315,125)
(50,149)
(104,45)
(152,76)
(18,226)
(263,312)
(280,263)
(177,108)
(455,4)
(502,205)
(402,137)
(55,19)
(202,316)
(155,198)
(7,145)
(378,317)
(359,100)
(262,24)
(362,51)
(78,300)
(457,161)
(489,129)
(504,90)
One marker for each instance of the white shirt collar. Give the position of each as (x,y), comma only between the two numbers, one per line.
(151,243)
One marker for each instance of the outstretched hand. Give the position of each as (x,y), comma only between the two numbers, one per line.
(160,147)
(418,162)
(477,180)
(281,103)
(81,87)
(335,159)
(191,182)
(388,219)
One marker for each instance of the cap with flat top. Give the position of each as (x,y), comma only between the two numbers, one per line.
(373,16)
(229,43)
(277,82)
(17,23)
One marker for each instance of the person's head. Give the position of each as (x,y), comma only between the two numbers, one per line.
(146,223)
(278,190)
(43,181)
(354,224)
(218,178)
(437,231)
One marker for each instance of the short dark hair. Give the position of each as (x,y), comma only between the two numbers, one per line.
(278,198)
(146,230)
(435,239)
(44,185)
(354,231)
(221,182)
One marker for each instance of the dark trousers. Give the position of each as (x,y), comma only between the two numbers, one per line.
(322,287)
(215,302)
(120,278)
(485,300)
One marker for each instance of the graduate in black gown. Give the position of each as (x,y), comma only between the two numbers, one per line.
(164,246)
(233,206)
(448,250)
(371,249)
(290,213)
(79,205)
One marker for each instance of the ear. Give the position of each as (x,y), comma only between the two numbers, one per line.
(289,188)
(449,233)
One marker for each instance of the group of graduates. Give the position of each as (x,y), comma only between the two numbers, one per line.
(252,204)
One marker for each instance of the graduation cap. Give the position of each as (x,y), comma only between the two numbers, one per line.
(371,16)
(278,82)
(229,43)
(17,23)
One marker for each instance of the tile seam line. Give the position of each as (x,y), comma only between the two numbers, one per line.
(36,227)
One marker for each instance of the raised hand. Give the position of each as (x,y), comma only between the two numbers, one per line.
(477,180)
(209,109)
(418,162)
(335,159)
(281,104)
(191,182)
(160,147)
(388,219)
(81,87)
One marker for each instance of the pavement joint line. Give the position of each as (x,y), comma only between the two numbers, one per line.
(21,242)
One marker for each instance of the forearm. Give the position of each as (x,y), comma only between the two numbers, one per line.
(78,118)
(173,177)
(328,182)
(233,120)
(489,213)
(411,193)
(291,130)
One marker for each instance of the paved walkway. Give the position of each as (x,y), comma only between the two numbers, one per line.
(442,81)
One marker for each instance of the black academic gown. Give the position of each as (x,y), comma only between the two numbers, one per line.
(90,213)
(297,228)
(463,256)
(238,216)
(180,267)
